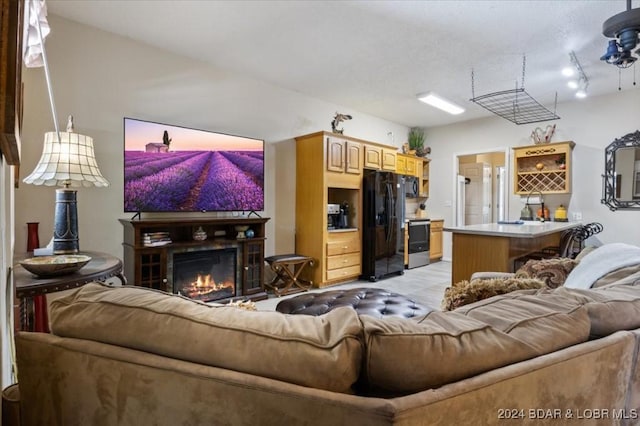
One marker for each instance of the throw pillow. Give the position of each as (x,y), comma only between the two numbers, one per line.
(247,305)
(553,271)
(466,292)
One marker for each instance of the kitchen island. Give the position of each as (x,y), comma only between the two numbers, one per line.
(493,246)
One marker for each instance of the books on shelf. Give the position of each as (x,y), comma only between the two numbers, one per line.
(155,239)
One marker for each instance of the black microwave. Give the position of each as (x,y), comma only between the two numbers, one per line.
(411,186)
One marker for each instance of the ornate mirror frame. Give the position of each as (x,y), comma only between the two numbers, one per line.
(630,140)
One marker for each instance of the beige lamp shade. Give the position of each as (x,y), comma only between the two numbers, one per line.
(68,162)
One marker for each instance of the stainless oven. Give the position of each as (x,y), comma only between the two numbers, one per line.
(419,231)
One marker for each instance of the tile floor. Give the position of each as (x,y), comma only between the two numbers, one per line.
(424,285)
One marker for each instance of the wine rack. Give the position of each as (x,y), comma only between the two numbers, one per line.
(545,168)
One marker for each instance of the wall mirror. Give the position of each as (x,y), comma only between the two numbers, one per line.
(621,179)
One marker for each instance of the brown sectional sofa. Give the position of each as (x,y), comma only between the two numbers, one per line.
(132,356)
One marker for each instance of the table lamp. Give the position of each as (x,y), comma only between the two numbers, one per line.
(67,160)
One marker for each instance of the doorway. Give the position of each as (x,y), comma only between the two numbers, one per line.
(484,197)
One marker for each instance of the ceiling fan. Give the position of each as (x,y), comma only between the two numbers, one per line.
(624,28)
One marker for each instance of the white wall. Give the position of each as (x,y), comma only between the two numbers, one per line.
(592,123)
(101,78)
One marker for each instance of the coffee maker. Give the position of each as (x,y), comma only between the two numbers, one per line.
(344,215)
(333,216)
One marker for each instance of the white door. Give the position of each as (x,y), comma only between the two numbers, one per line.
(477,193)
(501,190)
(460,191)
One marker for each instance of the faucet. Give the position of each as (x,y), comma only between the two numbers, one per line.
(542,217)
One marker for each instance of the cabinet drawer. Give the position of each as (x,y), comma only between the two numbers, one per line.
(343,261)
(343,244)
(351,271)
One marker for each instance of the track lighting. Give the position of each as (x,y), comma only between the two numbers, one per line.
(580,82)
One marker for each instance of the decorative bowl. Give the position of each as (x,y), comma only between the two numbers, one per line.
(50,266)
(240,229)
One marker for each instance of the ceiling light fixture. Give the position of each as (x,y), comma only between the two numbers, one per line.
(568,72)
(439,102)
(624,28)
(572,84)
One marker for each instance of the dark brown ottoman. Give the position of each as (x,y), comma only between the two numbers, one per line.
(375,302)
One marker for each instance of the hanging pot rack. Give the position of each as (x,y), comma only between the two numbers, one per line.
(515,105)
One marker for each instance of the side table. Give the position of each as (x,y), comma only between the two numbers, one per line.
(31,290)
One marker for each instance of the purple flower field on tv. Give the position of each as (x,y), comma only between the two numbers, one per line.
(193,181)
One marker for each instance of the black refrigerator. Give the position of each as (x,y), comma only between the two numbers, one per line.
(383,224)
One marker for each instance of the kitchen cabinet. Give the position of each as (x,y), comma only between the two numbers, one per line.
(544,167)
(336,252)
(326,173)
(435,239)
(343,255)
(379,157)
(408,165)
(343,156)
(424,177)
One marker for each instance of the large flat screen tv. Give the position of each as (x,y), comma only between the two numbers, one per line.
(176,169)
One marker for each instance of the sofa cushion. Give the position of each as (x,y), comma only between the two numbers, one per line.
(444,347)
(610,309)
(466,292)
(544,320)
(322,352)
(410,356)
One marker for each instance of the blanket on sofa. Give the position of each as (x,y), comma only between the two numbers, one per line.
(600,262)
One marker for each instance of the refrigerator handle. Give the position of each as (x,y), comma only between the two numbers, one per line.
(391,212)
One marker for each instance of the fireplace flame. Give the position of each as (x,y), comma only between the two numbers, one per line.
(205,281)
(204,287)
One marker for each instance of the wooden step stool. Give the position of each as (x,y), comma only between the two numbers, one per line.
(287,268)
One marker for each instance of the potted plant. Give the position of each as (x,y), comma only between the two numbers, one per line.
(416,141)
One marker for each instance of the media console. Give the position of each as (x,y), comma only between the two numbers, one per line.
(152,265)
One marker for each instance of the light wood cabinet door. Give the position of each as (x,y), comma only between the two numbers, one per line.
(343,156)
(372,157)
(335,155)
(388,160)
(409,165)
(401,164)
(353,153)
(410,168)
(435,240)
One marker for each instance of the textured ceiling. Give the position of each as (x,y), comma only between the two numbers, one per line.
(375,56)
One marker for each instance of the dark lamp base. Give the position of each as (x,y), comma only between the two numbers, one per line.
(65,232)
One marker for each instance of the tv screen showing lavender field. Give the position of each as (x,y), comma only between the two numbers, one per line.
(176,169)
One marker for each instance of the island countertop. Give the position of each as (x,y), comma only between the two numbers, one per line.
(495,247)
(530,229)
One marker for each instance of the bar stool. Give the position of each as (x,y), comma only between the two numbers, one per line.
(288,268)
